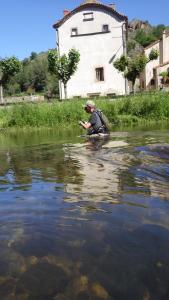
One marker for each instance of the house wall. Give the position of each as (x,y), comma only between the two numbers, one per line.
(166,50)
(96,50)
(164,68)
(152,64)
(159,64)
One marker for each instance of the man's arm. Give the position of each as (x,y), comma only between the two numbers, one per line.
(85,125)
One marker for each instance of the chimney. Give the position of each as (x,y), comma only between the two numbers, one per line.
(164,34)
(66,12)
(113,6)
(89,1)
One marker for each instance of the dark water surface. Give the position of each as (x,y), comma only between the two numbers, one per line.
(84,219)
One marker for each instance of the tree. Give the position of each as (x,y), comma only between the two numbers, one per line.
(8,68)
(144,38)
(52,86)
(34,77)
(158,31)
(63,66)
(39,69)
(132,68)
(34,74)
(33,55)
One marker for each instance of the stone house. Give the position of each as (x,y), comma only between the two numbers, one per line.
(98,32)
(152,79)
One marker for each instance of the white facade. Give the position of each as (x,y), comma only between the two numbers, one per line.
(159,65)
(98,33)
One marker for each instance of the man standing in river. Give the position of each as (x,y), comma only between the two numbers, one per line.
(95,124)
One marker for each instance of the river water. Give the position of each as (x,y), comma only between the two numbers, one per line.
(84,219)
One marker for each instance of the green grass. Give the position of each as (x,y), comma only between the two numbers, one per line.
(125,110)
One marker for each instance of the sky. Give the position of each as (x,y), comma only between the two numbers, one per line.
(26,25)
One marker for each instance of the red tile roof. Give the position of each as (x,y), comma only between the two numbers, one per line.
(89,5)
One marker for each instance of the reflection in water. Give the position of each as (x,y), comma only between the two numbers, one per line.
(85,219)
(100,162)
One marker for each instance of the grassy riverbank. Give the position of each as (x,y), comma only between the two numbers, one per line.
(139,108)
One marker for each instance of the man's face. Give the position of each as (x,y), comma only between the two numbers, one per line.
(88,109)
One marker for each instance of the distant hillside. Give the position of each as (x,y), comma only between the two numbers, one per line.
(139,24)
(141,34)
(34,77)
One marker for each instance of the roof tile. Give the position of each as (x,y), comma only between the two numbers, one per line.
(89,4)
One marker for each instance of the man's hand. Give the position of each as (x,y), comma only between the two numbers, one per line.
(85,124)
(81,123)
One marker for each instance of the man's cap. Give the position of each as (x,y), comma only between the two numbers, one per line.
(89,103)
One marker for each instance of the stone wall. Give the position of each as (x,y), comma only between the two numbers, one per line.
(32,98)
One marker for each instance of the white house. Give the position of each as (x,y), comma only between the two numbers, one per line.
(155,67)
(98,32)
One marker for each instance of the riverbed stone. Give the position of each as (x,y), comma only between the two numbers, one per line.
(42,281)
(80,284)
(7,287)
(83,295)
(59,261)
(99,291)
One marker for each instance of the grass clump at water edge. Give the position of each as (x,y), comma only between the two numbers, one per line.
(125,110)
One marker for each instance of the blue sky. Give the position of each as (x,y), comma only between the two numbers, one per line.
(26,25)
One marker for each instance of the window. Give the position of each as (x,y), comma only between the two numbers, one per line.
(100,74)
(105,28)
(88,16)
(74,31)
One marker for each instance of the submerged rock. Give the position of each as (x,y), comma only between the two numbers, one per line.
(7,288)
(60,297)
(83,296)
(42,281)
(59,261)
(99,291)
(80,284)
(32,260)
(11,263)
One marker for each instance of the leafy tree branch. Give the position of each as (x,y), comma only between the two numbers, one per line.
(8,68)
(132,68)
(63,66)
